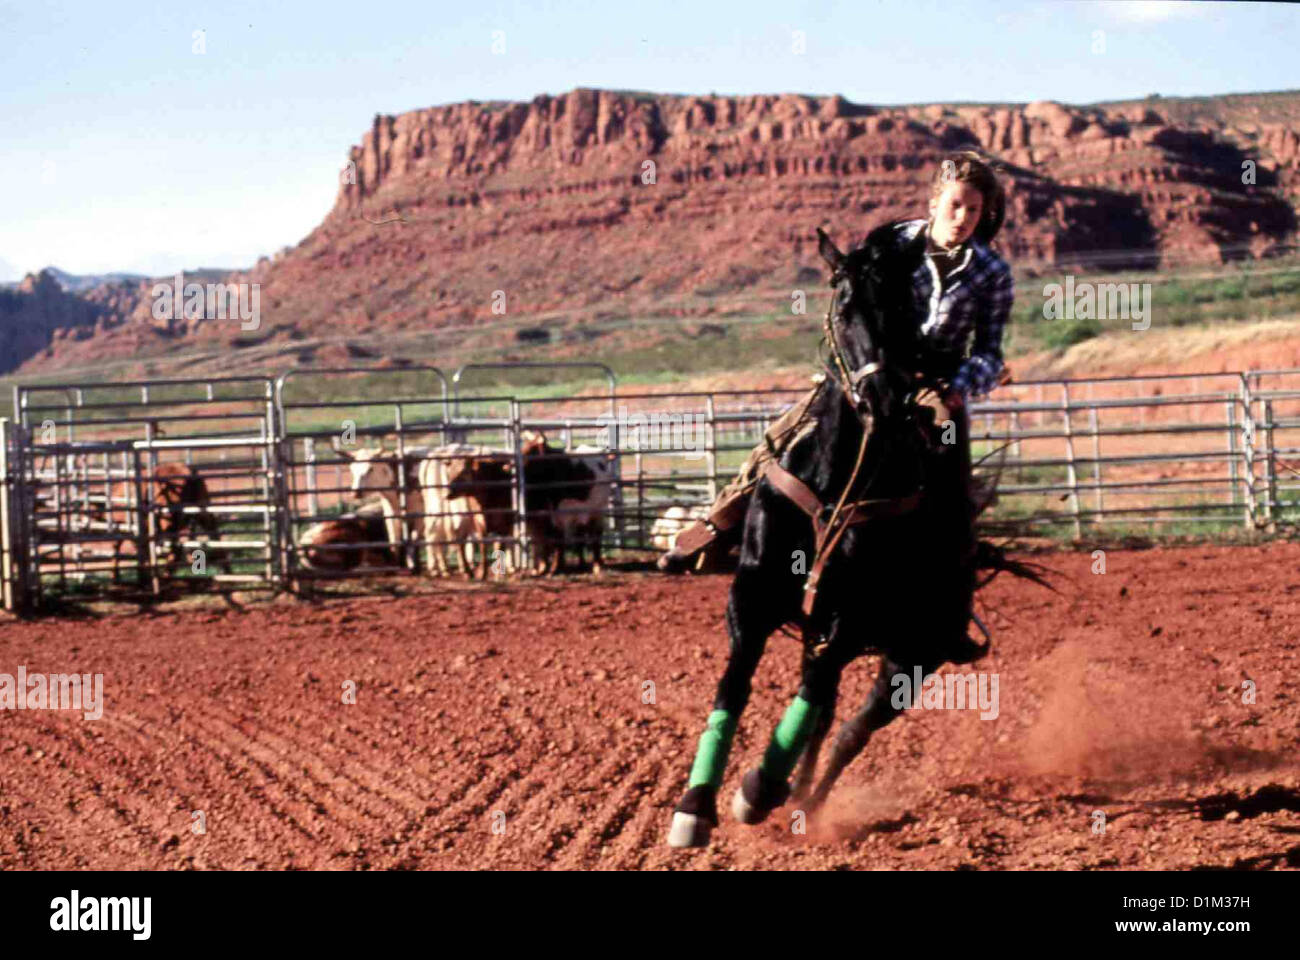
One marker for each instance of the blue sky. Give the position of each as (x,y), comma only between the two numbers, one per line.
(123,149)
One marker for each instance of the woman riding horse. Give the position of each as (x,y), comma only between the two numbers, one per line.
(960,288)
(905,305)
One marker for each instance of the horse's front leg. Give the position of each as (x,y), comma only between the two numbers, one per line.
(752,616)
(596,566)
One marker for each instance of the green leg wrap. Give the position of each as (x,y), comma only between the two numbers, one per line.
(715,744)
(789,739)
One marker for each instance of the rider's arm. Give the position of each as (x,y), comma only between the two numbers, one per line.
(978,374)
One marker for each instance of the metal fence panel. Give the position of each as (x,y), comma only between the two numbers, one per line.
(10,588)
(284,460)
(141,489)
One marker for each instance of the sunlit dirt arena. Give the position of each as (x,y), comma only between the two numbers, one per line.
(508,727)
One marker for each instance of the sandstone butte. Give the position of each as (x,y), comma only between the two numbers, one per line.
(548,201)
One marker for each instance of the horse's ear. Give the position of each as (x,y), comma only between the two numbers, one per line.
(830,253)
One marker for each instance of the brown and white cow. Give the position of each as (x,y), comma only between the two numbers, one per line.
(566,499)
(374,470)
(335,544)
(179,500)
(479,484)
(448,521)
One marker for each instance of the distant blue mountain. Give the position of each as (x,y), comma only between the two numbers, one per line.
(73,283)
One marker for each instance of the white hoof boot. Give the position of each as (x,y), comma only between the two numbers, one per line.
(743,810)
(689,830)
(756,798)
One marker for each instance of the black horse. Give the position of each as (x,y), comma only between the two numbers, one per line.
(898,579)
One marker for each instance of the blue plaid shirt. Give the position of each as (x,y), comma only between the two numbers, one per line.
(977,295)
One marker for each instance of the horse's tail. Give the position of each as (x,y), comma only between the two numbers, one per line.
(990,556)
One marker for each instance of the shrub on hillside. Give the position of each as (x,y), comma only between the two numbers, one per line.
(1063,334)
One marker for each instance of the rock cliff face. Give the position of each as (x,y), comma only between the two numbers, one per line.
(599,200)
(37,317)
(1084,182)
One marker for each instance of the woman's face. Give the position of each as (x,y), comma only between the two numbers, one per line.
(955,213)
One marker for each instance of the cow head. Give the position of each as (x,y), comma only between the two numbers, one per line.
(372,468)
(532,443)
(459,475)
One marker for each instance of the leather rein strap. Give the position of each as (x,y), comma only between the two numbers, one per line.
(827,533)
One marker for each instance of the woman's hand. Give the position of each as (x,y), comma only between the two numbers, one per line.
(929,397)
(943,404)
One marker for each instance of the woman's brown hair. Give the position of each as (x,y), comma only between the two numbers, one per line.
(967,166)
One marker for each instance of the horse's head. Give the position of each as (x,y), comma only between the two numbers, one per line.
(869,338)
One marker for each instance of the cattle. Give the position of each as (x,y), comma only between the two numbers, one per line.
(449,519)
(663,534)
(375,470)
(172,493)
(334,544)
(566,498)
(483,482)
(179,486)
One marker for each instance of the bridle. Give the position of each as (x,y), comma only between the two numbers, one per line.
(828,532)
(850,382)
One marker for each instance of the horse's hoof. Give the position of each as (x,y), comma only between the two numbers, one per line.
(688,830)
(757,797)
(694,818)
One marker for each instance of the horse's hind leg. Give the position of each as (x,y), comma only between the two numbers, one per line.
(751,619)
(879,710)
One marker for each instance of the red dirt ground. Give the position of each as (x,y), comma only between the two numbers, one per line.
(1122,695)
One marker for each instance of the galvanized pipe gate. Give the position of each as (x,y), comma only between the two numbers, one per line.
(146,489)
(142,489)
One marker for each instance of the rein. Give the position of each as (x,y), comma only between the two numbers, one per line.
(827,534)
(848,381)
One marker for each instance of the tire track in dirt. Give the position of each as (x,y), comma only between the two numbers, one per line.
(93,778)
(625,805)
(355,814)
(287,804)
(376,793)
